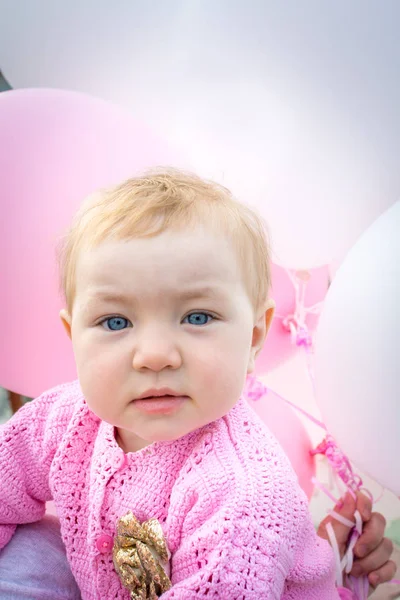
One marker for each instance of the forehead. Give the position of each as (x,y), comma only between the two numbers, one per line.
(167,260)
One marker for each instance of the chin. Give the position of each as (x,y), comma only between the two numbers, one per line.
(168,436)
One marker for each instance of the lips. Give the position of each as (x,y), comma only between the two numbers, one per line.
(158,393)
(155,397)
(166,404)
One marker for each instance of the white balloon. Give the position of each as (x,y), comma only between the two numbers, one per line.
(357,353)
(294,105)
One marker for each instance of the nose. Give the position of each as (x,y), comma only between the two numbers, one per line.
(156,352)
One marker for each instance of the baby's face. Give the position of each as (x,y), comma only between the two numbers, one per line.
(164,312)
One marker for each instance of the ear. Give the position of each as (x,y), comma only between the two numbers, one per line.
(66,321)
(260,330)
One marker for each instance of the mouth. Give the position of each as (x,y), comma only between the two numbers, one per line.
(154,396)
(160,401)
(158,393)
(164,404)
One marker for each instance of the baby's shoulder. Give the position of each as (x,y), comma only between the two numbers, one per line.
(62,398)
(238,456)
(53,409)
(38,428)
(249,441)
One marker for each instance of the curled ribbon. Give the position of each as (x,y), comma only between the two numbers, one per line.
(358,588)
(345,594)
(140,554)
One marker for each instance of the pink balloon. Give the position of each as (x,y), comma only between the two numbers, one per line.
(56,147)
(286,426)
(278,346)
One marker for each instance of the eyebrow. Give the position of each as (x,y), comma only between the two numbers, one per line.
(189,294)
(204,292)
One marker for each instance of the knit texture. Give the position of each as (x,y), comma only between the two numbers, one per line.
(234,517)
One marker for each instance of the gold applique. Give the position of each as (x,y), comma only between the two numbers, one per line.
(139,552)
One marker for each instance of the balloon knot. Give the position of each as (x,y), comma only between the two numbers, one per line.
(299,331)
(339,462)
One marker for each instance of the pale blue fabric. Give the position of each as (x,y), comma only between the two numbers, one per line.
(34,566)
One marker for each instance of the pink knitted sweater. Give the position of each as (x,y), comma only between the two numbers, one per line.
(235,520)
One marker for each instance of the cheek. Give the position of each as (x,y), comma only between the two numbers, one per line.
(215,352)
(98,366)
(221,369)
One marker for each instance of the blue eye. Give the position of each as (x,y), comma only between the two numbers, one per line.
(198,318)
(115,323)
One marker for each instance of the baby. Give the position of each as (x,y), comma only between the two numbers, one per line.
(164,480)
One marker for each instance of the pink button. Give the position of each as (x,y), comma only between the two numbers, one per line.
(104,543)
(120,460)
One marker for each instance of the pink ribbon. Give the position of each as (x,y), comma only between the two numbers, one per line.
(345,594)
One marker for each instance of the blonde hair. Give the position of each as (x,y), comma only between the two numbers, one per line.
(167,199)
